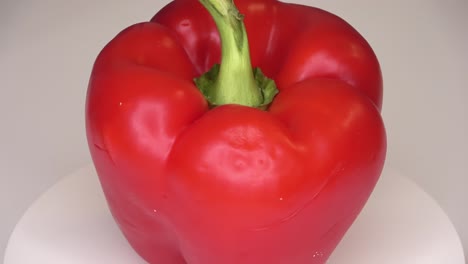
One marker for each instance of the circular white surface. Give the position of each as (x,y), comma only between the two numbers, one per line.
(71,224)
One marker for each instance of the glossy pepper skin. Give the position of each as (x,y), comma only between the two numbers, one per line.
(233,184)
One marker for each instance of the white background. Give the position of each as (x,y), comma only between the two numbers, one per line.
(47,49)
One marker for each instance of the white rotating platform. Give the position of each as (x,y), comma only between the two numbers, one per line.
(71,224)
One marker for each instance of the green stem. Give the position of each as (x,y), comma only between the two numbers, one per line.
(234,81)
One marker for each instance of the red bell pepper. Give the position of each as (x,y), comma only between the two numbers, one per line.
(266,158)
